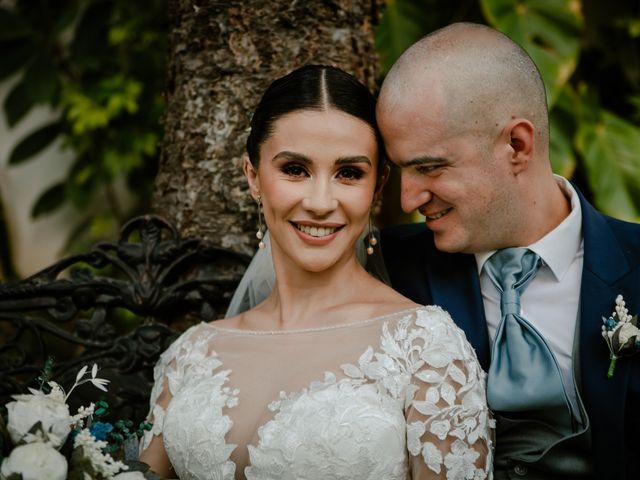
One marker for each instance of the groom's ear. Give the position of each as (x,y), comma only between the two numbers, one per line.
(382,181)
(253,178)
(520,136)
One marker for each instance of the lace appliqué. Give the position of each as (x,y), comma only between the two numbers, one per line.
(421,366)
(194,416)
(333,430)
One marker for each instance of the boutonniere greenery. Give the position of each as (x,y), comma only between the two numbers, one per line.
(621,333)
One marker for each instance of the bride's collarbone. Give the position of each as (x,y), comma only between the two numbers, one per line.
(323,316)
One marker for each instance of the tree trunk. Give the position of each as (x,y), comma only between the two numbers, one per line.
(222,57)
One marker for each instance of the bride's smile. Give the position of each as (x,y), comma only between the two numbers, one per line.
(317,234)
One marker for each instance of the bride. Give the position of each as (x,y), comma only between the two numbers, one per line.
(335,375)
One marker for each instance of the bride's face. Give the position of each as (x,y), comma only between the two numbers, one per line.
(317,179)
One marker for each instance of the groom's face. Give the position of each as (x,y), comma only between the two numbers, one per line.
(451,174)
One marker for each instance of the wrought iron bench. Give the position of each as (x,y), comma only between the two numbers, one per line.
(119,306)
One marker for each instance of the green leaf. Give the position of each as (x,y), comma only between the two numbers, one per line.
(49,201)
(18,103)
(562,124)
(14,54)
(610,149)
(402,23)
(66,12)
(82,181)
(563,159)
(34,143)
(549,30)
(90,42)
(12,26)
(41,79)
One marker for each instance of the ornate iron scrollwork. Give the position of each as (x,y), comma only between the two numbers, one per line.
(119,305)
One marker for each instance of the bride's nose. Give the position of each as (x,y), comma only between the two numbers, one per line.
(320,198)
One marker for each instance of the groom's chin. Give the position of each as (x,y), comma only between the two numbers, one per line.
(449,242)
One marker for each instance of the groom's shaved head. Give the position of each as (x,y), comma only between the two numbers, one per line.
(481,78)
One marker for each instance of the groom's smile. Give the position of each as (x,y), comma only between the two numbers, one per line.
(430,217)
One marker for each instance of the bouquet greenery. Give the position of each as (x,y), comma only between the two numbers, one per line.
(40,439)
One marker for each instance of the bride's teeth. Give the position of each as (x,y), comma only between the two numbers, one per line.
(316,231)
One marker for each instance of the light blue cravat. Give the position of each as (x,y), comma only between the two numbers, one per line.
(524,375)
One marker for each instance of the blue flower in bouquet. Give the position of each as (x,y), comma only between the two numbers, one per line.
(100,430)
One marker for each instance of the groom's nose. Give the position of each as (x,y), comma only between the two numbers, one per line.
(414,191)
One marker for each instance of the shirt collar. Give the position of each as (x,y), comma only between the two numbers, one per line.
(558,248)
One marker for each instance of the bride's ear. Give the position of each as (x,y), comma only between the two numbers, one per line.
(382,181)
(252,176)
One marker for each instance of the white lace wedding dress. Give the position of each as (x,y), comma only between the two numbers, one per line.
(393,397)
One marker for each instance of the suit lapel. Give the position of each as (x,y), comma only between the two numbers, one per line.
(455,286)
(604,264)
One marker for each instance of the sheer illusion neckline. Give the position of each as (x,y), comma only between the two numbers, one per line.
(240,331)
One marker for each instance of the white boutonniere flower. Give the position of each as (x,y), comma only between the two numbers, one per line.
(621,333)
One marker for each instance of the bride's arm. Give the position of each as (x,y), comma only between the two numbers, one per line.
(152,451)
(449,426)
(152,448)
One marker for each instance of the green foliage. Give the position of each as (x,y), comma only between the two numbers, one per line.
(549,30)
(398,29)
(45,375)
(101,64)
(34,143)
(588,53)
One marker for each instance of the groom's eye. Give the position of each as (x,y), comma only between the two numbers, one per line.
(427,169)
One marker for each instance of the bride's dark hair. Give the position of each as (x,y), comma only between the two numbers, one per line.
(312,87)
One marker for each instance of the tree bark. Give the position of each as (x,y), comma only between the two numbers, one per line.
(222,57)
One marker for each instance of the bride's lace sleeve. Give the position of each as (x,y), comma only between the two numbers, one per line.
(449,426)
(188,353)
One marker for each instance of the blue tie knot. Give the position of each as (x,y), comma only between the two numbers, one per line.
(510,302)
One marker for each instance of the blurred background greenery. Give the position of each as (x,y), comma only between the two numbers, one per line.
(101,65)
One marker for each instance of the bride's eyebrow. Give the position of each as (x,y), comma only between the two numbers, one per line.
(286,155)
(353,160)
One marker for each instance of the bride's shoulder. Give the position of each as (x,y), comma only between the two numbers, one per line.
(423,315)
(196,337)
(433,321)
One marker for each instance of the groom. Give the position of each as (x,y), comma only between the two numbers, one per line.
(463,115)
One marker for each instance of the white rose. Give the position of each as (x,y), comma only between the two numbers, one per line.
(35,461)
(627,330)
(49,409)
(129,476)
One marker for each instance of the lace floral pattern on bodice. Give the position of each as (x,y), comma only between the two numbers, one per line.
(409,402)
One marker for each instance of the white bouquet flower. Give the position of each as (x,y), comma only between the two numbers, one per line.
(129,476)
(35,461)
(40,424)
(49,409)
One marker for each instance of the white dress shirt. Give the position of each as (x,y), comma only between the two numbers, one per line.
(551,300)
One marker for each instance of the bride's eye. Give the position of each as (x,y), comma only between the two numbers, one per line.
(293,170)
(350,173)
